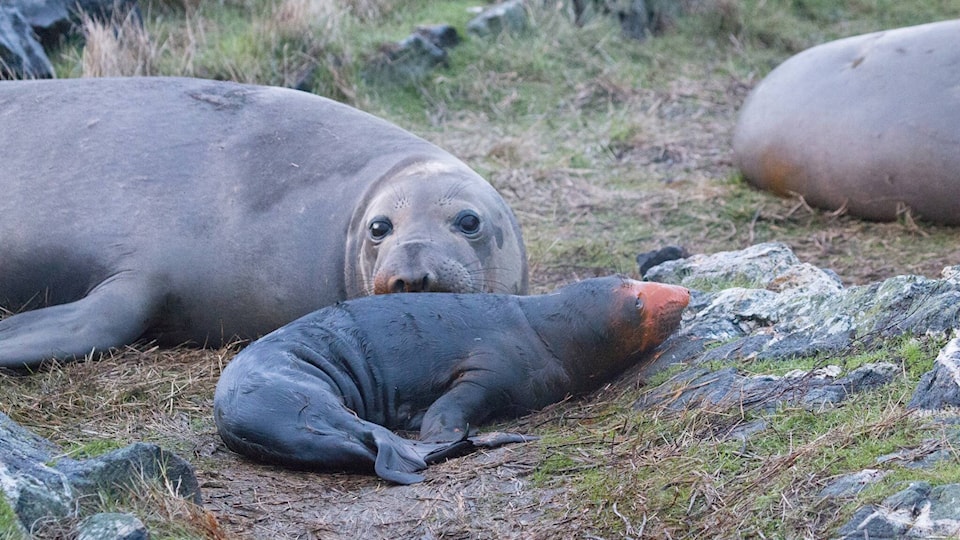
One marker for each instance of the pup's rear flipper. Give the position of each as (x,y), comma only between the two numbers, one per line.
(399,459)
(468,445)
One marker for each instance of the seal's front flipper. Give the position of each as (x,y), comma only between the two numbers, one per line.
(115,313)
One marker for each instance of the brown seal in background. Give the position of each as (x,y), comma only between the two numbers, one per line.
(869,123)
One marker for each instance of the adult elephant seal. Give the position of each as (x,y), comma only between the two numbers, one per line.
(869,123)
(323,392)
(198,211)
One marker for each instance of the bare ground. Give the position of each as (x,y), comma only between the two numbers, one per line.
(569,215)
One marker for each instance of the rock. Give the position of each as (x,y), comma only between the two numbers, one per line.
(849,485)
(53,18)
(754,266)
(767,305)
(441,35)
(940,387)
(870,522)
(40,486)
(510,16)
(649,259)
(726,388)
(867,124)
(21,55)
(112,526)
(919,511)
(412,58)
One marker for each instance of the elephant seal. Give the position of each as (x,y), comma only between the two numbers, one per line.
(869,123)
(186,210)
(324,391)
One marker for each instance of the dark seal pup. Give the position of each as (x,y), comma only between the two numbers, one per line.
(869,124)
(323,392)
(198,211)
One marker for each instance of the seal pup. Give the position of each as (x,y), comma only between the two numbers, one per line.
(868,124)
(324,391)
(195,211)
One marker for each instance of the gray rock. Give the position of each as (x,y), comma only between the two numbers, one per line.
(510,16)
(41,486)
(112,526)
(21,55)
(726,388)
(52,18)
(414,57)
(851,484)
(918,511)
(763,303)
(871,522)
(940,387)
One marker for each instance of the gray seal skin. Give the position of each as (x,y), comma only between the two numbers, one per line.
(193,211)
(869,123)
(325,391)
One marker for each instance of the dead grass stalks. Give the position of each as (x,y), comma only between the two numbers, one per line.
(118,47)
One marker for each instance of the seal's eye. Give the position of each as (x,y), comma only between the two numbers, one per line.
(379,228)
(468,222)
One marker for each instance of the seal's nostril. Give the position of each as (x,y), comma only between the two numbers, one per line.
(398,286)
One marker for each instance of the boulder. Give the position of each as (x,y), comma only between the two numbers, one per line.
(510,16)
(762,303)
(940,387)
(39,485)
(918,511)
(21,55)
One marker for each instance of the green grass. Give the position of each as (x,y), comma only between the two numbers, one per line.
(679,467)
(10,528)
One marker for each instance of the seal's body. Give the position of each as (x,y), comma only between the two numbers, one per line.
(199,211)
(869,124)
(324,391)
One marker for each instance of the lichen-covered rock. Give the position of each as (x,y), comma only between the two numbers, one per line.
(849,485)
(769,305)
(919,511)
(940,387)
(510,16)
(112,526)
(39,485)
(726,388)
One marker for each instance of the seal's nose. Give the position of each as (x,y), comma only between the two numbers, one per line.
(661,305)
(398,284)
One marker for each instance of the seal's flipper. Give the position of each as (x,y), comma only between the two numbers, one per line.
(398,459)
(468,445)
(116,312)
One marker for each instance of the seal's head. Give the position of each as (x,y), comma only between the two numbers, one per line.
(599,327)
(434,226)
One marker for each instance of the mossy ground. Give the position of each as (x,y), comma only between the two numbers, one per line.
(605,147)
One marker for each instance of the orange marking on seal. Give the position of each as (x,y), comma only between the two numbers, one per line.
(662,307)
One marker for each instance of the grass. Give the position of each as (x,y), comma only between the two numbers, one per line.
(678,474)
(605,147)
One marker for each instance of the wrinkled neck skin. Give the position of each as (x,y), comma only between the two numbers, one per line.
(591,335)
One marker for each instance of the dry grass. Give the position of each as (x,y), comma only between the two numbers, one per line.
(117,48)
